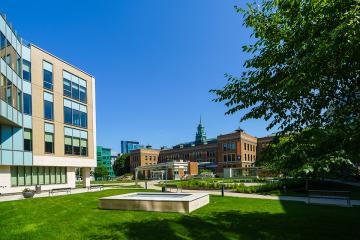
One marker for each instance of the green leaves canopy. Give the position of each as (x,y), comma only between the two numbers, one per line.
(305,64)
(304,73)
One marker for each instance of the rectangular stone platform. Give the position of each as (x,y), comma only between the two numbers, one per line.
(158,202)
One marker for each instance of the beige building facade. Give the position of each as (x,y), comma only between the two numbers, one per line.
(54,131)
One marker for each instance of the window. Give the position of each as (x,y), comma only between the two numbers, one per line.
(67,115)
(26,70)
(3,87)
(67,88)
(74,87)
(76,142)
(27,139)
(75,91)
(49,138)
(27,104)
(84,147)
(19,100)
(48,106)
(68,145)
(76,146)
(82,94)
(8,92)
(67,112)
(48,75)
(76,117)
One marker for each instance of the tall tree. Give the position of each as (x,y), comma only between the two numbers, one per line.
(100,172)
(122,164)
(304,72)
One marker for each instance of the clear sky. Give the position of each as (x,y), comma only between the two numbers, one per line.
(154,61)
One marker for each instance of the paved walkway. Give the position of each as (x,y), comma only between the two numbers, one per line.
(150,185)
(14,197)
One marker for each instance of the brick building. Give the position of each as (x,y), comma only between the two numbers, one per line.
(232,150)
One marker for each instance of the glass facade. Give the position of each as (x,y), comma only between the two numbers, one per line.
(30,176)
(104,158)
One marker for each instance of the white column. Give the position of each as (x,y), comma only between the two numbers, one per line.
(5,179)
(85,173)
(71,177)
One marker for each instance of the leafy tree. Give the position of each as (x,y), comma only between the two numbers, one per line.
(303,78)
(100,172)
(122,165)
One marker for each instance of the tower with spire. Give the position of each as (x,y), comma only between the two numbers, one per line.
(200,137)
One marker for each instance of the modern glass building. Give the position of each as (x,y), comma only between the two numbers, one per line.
(128,146)
(104,158)
(47,117)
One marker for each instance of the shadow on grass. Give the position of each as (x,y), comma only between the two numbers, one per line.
(297,222)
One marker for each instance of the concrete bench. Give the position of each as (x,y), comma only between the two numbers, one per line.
(100,187)
(56,190)
(329,194)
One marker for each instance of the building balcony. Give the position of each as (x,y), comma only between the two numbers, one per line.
(10,116)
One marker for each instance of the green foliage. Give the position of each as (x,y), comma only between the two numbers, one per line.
(268,187)
(100,172)
(313,152)
(122,165)
(206,184)
(304,73)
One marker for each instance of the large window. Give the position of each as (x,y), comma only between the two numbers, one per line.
(27,139)
(27,104)
(75,114)
(49,138)
(48,75)
(30,176)
(26,70)
(74,87)
(48,106)
(76,142)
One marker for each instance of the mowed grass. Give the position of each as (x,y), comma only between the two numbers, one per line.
(78,217)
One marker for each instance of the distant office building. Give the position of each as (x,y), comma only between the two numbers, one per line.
(128,146)
(235,149)
(114,156)
(104,158)
(143,157)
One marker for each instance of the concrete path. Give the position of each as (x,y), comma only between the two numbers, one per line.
(14,197)
(151,185)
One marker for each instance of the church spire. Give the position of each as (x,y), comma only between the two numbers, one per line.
(200,137)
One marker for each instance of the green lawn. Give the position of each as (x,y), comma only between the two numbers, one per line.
(78,217)
(113,181)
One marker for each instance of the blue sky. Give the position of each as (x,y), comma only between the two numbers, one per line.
(154,61)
